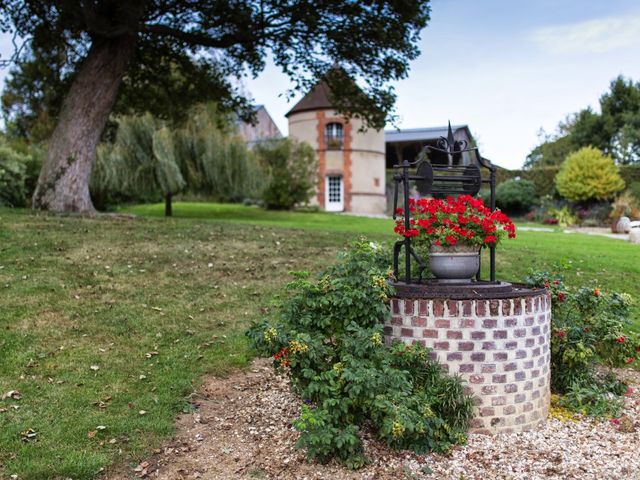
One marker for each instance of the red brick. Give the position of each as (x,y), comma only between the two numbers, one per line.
(467,368)
(423,307)
(488,368)
(489,389)
(499,378)
(527,407)
(477,357)
(467,390)
(388,330)
(477,401)
(488,345)
(535,373)
(476,378)
(511,345)
(481,308)
(521,354)
(528,321)
(452,305)
(490,322)
(476,423)
(520,376)
(395,305)
(418,321)
(535,352)
(428,333)
(510,388)
(478,335)
(454,334)
(517,306)
(443,324)
(510,367)
(467,308)
(520,397)
(520,419)
(466,346)
(500,356)
(529,342)
(494,307)
(467,323)
(529,305)
(509,410)
(487,412)
(499,334)
(396,320)
(420,342)
(535,330)
(445,367)
(519,332)
(497,422)
(527,365)
(454,357)
(438,308)
(535,394)
(528,386)
(441,345)
(408,307)
(498,401)
(506,307)
(406,332)
(510,322)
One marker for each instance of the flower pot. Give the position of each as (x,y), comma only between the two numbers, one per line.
(459,263)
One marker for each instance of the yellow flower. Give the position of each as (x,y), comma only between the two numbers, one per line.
(270,335)
(397,430)
(376,339)
(297,347)
(338,367)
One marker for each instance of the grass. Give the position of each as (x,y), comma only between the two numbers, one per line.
(101,319)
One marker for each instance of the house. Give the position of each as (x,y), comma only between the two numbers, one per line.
(351,162)
(263,129)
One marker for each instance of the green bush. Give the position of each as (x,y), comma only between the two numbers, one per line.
(14,173)
(588,330)
(327,338)
(516,196)
(291,172)
(588,175)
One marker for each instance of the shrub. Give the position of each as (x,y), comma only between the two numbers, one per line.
(327,338)
(588,329)
(13,191)
(291,172)
(516,196)
(588,175)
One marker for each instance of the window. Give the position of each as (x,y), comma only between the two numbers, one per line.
(333,136)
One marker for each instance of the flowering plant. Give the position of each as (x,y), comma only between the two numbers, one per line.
(455,221)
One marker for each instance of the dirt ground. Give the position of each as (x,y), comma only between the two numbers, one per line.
(242,430)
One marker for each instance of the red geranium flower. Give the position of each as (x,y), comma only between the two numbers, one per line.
(629,360)
(596,292)
(621,339)
(561,296)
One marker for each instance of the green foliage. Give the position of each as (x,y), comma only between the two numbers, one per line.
(150,160)
(588,329)
(19,168)
(328,339)
(616,130)
(167,73)
(588,175)
(291,169)
(516,196)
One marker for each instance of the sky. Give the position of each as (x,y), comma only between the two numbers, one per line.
(506,68)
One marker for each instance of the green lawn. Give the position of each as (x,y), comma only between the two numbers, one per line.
(103,318)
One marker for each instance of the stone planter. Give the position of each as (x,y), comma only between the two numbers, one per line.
(454,264)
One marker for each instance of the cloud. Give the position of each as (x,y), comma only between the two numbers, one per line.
(593,36)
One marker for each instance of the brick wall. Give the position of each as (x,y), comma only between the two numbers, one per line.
(500,347)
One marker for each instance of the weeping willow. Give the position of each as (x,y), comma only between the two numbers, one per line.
(150,160)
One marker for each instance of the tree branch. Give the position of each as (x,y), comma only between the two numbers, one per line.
(225,41)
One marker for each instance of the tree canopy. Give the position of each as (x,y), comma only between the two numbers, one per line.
(169,53)
(615,130)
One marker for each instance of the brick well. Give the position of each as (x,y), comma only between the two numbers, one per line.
(500,347)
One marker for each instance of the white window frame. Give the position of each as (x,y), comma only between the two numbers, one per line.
(332,206)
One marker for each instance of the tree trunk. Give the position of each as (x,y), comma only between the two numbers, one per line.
(168,208)
(63,185)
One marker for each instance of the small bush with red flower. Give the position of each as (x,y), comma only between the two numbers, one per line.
(464,220)
(327,337)
(589,329)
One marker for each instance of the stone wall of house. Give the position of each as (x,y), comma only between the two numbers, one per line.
(500,347)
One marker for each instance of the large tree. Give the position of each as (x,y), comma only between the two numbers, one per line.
(106,41)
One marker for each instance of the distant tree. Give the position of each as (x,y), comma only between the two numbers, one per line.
(150,160)
(588,175)
(291,172)
(615,131)
(109,42)
(516,196)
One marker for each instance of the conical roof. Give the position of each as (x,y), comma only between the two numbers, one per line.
(316,99)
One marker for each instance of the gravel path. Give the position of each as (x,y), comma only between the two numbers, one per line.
(242,430)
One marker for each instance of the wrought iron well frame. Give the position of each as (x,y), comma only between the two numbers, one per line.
(467,179)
